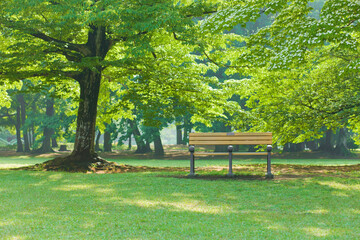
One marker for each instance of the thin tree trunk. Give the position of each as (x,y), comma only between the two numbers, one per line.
(142,147)
(158,146)
(341,146)
(129,143)
(178,135)
(19,144)
(326,142)
(107,141)
(21,100)
(48,131)
(54,142)
(312,145)
(97,141)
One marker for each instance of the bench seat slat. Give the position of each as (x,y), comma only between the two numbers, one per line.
(219,134)
(232,138)
(228,142)
(234,153)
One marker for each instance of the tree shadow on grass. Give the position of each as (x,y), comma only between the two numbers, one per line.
(245,177)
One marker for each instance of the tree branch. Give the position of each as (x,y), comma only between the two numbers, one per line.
(55,73)
(17,25)
(223,65)
(81,48)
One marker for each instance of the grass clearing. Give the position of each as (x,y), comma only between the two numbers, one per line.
(57,205)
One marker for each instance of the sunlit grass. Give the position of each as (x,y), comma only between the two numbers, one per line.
(20,161)
(53,205)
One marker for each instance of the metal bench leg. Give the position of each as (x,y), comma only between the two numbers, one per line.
(269,175)
(230,150)
(192,161)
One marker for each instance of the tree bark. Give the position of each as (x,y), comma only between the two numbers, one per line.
(19,144)
(179,135)
(21,100)
(129,143)
(84,155)
(97,141)
(326,142)
(341,146)
(141,145)
(158,146)
(107,141)
(54,142)
(312,145)
(48,131)
(294,147)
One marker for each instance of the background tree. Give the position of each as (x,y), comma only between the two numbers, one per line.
(302,70)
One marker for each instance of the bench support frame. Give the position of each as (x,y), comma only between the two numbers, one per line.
(230,150)
(192,161)
(268,174)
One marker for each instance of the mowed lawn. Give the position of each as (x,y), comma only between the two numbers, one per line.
(166,205)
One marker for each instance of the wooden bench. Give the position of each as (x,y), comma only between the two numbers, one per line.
(230,139)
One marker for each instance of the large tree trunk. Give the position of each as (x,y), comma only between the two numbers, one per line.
(22,103)
(48,131)
(19,144)
(84,156)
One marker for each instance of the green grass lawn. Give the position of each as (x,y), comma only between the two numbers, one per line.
(50,205)
(18,161)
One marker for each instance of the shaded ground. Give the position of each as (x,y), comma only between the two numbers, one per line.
(242,172)
(182,153)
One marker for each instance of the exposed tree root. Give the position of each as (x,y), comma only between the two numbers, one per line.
(89,164)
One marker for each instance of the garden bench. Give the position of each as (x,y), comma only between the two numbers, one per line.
(230,139)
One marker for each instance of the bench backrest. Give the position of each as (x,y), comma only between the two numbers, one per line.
(224,138)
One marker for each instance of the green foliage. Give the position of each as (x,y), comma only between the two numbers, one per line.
(301,71)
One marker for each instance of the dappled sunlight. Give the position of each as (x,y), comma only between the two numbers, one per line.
(179,194)
(74,187)
(10,165)
(356,211)
(341,186)
(104,190)
(276,226)
(16,237)
(56,177)
(6,223)
(318,211)
(185,205)
(340,194)
(317,232)
(87,225)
